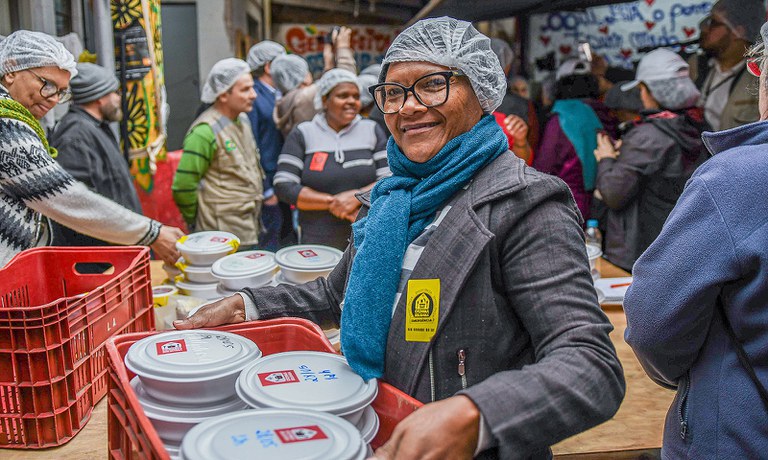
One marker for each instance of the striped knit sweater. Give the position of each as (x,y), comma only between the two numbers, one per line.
(33,188)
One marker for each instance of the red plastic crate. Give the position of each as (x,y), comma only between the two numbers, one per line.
(53,325)
(131,434)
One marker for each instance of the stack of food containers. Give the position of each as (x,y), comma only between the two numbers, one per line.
(186,377)
(275,434)
(308,380)
(306,262)
(244,269)
(200,251)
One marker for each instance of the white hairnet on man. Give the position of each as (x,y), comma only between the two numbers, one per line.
(289,71)
(263,53)
(455,44)
(373,69)
(222,77)
(329,80)
(364,82)
(25,49)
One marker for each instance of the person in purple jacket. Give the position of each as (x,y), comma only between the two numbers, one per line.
(570,134)
(700,293)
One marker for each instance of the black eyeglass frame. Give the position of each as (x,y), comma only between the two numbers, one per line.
(448,74)
(64,94)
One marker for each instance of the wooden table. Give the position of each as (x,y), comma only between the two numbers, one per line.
(634,432)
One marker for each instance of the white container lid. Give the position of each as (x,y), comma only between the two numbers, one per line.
(279,434)
(244,264)
(196,269)
(369,425)
(190,356)
(208,242)
(308,257)
(190,286)
(177,413)
(306,380)
(163,291)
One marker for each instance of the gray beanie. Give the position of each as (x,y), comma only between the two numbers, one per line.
(764,33)
(747,14)
(92,82)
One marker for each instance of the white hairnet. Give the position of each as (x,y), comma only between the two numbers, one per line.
(329,80)
(364,81)
(373,69)
(503,51)
(222,76)
(263,52)
(747,14)
(25,49)
(674,93)
(289,71)
(456,44)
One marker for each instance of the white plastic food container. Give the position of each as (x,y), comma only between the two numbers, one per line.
(205,248)
(368,424)
(594,253)
(164,309)
(191,367)
(207,291)
(245,269)
(172,421)
(306,380)
(196,274)
(223,291)
(279,278)
(173,451)
(274,434)
(306,262)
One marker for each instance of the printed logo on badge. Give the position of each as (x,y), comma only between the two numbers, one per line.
(308,253)
(171,346)
(422,309)
(301,434)
(277,378)
(318,161)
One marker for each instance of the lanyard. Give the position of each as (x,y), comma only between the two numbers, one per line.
(710,89)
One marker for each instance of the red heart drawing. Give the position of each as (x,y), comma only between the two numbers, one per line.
(603,30)
(626,52)
(565,49)
(649,24)
(689,31)
(545,39)
(649,2)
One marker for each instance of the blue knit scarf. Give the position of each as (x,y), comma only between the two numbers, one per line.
(402,205)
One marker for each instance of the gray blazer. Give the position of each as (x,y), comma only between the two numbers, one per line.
(516,296)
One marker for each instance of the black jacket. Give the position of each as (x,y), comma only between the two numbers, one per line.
(89,151)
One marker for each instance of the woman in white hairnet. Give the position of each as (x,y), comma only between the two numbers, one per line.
(467,284)
(35,71)
(220,153)
(327,161)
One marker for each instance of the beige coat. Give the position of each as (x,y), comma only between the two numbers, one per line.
(741,107)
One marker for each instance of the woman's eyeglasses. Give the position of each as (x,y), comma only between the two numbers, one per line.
(49,89)
(431,90)
(709,23)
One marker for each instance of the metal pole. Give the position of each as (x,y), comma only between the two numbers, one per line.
(266,15)
(124,99)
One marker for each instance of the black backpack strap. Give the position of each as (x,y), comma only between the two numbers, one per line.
(743,358)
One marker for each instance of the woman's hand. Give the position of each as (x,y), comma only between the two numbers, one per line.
(518,128)
(446,429)
(343,38)
(228,310)
(165,244)
(606,148)
(345,205)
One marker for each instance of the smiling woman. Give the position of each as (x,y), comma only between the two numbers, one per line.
(325,162)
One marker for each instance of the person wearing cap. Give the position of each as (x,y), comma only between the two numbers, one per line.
(292,77)
(447,293)
(219,182)
(374,113)
(269,140)
(570,135)
(641,177)
(325,162)
(88,148)
(35,72)
(720,73)
(696,310)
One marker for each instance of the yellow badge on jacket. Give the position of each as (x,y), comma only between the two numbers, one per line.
(422,308)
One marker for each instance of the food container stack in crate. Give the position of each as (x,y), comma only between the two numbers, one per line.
(54,321)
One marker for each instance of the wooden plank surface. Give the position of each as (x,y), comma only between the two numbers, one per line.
(635,431)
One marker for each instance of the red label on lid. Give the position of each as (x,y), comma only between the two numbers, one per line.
(171,346)
(254,255)
(307,253)
(277,378)
(301,434)
(219,239)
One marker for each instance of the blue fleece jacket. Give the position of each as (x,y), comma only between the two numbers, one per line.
(715,241)
(268,137)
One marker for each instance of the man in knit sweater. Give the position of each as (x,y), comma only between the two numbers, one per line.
(218,184)
(35,71)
